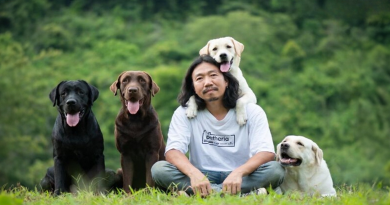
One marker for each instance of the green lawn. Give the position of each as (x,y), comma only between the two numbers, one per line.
(354,195)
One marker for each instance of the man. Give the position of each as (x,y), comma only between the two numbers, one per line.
(223,156)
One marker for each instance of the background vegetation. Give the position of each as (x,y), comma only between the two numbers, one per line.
(319,69)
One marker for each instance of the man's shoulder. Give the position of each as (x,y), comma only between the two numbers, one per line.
(180,110)
(252,107)
(254,110)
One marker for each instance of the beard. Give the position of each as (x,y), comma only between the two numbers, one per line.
(212,99)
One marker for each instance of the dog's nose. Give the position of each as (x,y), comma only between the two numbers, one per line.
(223,56)
(133,90)
(71,102)
(284,146)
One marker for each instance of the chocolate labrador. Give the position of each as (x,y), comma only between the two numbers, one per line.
(137,129)
(77,142)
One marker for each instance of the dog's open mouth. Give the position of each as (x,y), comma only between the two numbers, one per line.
(73,119)
(286,160)
(133,105)
(225,66)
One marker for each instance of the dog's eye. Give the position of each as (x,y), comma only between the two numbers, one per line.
(63,94)
(300,143)
(81,92)
(214,49)
(141,80)
(124,81)
(228,46)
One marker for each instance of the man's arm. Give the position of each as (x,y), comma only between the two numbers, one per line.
(232,183)
(199,182)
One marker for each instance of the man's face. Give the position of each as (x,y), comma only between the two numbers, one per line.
(209,82)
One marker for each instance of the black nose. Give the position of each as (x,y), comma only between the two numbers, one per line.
(223,56)
(71,102)
(284,146)
(133,90)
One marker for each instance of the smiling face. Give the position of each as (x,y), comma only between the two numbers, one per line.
(209,83)
(298,151)
(136,89)
(224,50)
(74,99)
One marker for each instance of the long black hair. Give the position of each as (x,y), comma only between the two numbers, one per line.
(187,89)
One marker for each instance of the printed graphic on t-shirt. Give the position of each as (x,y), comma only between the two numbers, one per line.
(218,140)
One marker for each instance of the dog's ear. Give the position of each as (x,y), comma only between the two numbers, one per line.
(114,87)
(54,94)
(317,153)
(205,49)
(277,152)
(238,47)
(153,86)
(93,92)
(116,84)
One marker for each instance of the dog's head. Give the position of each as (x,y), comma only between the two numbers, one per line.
(224,50)
(298,151)
(74,99)
(136,89)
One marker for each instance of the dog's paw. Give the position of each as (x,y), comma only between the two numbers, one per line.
(57,193)
(241,120)
(241,115)
(191,112)
(192,109)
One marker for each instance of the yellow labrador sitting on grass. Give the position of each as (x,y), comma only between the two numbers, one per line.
(306,170)
(227,51)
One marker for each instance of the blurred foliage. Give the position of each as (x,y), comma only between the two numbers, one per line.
(319,69)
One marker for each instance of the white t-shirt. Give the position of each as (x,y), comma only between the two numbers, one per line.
(219,145)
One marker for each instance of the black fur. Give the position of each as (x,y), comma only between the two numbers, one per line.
(77,149)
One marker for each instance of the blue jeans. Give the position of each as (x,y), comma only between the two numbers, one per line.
(167,176)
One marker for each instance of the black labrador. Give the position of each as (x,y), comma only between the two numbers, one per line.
(77,142)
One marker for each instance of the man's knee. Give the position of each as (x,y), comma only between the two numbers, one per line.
(160,169)
(277,168)
(277,171)
(162,173)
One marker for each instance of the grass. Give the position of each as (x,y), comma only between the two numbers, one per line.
(354,195)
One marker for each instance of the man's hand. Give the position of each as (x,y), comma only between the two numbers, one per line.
(200,184)
(232,184)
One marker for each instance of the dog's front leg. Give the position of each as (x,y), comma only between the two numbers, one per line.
(247,96)
(59,176)
(241,112)
(128,172)
(96,174)
(192,109)
(151,158)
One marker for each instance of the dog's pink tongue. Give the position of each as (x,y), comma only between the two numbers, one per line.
(73,120)
(225,67)
(133,107)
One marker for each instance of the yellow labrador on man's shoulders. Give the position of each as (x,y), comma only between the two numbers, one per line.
(227,51)
(306,170)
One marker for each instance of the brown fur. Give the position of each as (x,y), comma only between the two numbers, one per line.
(138,136)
